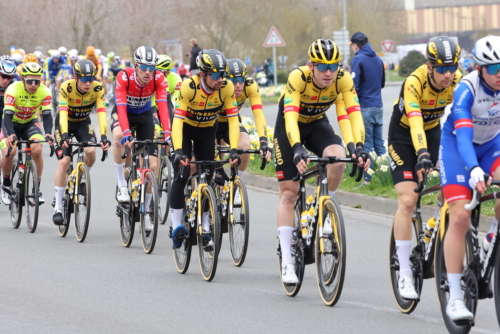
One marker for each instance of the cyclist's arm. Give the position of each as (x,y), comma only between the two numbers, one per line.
(412,95)
(47,111)
(161,102)
(63,108)
(101,110)
(174,85)
(121,102)
(232,114)
(349,96)
(8,113)
(291,98)
(99,69)
(258,113)
(344,122)
(181,108)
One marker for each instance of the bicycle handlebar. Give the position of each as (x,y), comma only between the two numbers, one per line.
(143,142)
(476,199)
(28,142)
(331,160)
(226,149)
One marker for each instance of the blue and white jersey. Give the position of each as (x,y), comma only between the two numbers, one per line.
(54,68)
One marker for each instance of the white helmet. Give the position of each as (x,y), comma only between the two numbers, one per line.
(97,52)
(75,51)
(38,54)
(55,53)
(487,50)
(62,49)
(145,55)
(17,57)
(73,57)
(7,66)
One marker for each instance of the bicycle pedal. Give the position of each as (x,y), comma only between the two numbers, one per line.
(464,322)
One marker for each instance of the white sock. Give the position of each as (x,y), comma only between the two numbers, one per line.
(89,168)
(403,248)
(285,233)
(176,216)
(493,227)
(120,169)
(438,208)
(241,173)
(455,286)
(204,221)
(148,201)
(332,193)
(59,192)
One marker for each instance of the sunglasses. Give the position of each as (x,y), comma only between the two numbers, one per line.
(87,79)
(145,67)
(325,67)
(6,76)
(217,76)
(444,69)
(239,80)
(490,69)
(33,81)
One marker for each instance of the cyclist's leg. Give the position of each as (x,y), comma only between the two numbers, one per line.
(244,144)
(85,133)
(7,162)
(118,149)
(62,167)
(35,132)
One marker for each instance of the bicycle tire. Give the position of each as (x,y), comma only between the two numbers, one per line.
(149,237)
(67,210)
(239,231)
(406,306)
(31,196)
(17,198)
(330,268)
(443,288)
(164,186)
(127,223)
(182,255)
(208,255)
(82,206)
(496,284)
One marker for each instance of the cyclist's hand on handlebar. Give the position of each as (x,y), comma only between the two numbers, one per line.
(179,158)
(300,157)
(65,140)
(265,150)
(362,156)
(234,158)
(127,141)
(105,143)
(220,176)
(477,177)
(424,163)
(49,138)
(11,140)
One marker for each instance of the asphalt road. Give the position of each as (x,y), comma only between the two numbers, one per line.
(51,284)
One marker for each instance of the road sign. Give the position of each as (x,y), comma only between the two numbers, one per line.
(282,59)
(274,38)
(247,61)
(341,38)
(387,45)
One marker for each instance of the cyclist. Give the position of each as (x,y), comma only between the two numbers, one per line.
(91,55)
(134,89)
(473,127)
(73,58)
(77,99)
(165,64)
(8,75)
(104,69)
(22,101)
(244,88)
(414,134)
(114,65)
(201,99)
(55,68)
(308,94)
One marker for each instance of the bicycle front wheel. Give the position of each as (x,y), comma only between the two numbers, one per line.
(208,241)
(82,205)
(239,228)
(164,184)
(67,210)
(127,222)
(330,247)
(17,198)
(150,213)
(31,196)
(496,284)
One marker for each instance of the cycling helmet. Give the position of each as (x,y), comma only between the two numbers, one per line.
(38,54)
(31,69)
(111,55)
(324,51)
(164,63)
(73,51)
(55,54)
(90,50)
(211,60)
(84,68)
(442,50)
(62,49)
(73,57)
(487,51)
(98,52)
(21,51)
(128,63)
(236,68)
(31,58)
(17,57)
(7,66)
(5,57)
(145,55)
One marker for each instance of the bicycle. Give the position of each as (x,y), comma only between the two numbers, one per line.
(164,183)
(233,208)
(319,234)
(476,275)
(24,186)
(77,196)
(198,201)
(139,180)
(422,254)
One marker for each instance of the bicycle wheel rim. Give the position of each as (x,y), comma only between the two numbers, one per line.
(127,223)
(16,212)
(67,206)
(208,256)
(31,196)
(82,205)
(163,191)
(149,237)
(239,229)
(182,255)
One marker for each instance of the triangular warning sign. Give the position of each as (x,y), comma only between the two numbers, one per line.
(387,45)
(274,38)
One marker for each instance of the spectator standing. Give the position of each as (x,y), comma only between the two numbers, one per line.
(182,71)
(195,50)
(269,71)
(367,72)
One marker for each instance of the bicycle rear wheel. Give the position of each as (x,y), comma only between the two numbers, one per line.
(496,284)
(208,253)
(182,255)
(127,223)
(469,285)
(239,229)
(16,198)
(164,184)
(330,253)
(67,210)
(31,196)
(82,206)
(149,237)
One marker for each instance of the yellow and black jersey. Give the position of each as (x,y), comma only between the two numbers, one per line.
(198,108)
(304,102)
(75,106)
(420,106)
(251,91)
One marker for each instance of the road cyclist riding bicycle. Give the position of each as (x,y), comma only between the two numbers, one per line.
(308,94)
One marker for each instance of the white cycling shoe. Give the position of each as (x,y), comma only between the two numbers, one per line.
(288,275)
(406,287)
(456,310)
(123,195)
(148,224)
(5,195)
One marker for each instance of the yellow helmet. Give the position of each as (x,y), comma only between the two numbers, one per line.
(31,69)
(324,51)
(31,58)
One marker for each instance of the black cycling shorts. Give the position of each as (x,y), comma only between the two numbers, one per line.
(82,131)
(402,152)
(223,131)
(31,130)
(142,127)
(315,136)
(115,71)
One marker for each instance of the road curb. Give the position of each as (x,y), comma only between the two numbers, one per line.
(359,201)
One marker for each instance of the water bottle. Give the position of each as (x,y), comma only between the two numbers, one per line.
(21,174)
(429,228)
(304,224)
(486,245)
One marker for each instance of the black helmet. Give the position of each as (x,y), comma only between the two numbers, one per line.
(443,50)
(84,68)
(211,61)
(236,68)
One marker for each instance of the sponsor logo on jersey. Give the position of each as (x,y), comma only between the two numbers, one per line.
(416,105)
(395,157)
(279,174)
(235,103)
(210,104)
(324,98)
(78,101)
(460,178)
(314,98)
(278,159)
(431,102)
(356,99)
(407,174)
(202,104)
(442,101)
(288,100)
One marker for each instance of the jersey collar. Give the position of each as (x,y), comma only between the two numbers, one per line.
(202,85)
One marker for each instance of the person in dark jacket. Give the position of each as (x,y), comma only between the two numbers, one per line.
(367,72)
(195,50)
